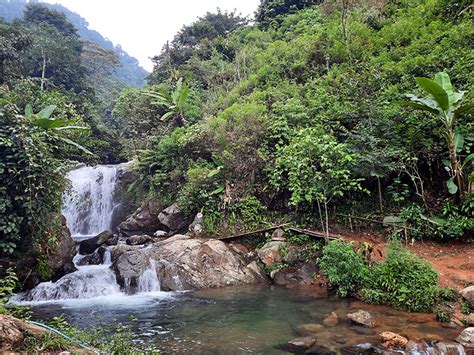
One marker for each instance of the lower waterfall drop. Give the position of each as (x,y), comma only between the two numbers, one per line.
(149,281)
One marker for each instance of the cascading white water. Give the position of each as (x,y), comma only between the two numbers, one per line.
(88,207)
(149,281)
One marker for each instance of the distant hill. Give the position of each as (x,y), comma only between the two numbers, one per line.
(130,71)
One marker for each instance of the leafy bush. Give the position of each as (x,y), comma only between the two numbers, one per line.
(344,267)
(402,280)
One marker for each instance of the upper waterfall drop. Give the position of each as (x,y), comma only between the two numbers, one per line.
(89,205)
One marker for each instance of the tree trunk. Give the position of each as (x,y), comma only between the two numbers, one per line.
(327,222)
(320,215)
(43,69)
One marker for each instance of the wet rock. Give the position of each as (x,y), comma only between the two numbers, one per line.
(184,263)
(359,349)
(196,228)
(363,330)
(309,328)
(112,241)
(91,259)
(390,340)
(363,318)
(468,294)
(299,345)
(466,338)
(60,259)
(278,235)
(319,350)
(123,206)
(449,349)
(139,240)
(143,221)
(172,218)
(331,320)
(269,254)
(88,246)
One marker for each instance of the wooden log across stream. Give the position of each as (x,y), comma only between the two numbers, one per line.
(312,234)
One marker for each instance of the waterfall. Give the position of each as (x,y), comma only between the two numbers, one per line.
(89,205)
(148,281)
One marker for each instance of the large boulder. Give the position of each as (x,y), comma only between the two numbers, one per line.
(123,205)
(390,340)
(173,219)
(185,263)
(88,246)
(60,259)
(143,221)
(270,253)
(468,294)
(466,338)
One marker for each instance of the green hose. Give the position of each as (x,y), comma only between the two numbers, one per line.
(64,336)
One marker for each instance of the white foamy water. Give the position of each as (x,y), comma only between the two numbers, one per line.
(88,207)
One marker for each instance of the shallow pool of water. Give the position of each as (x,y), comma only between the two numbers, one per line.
(239,320)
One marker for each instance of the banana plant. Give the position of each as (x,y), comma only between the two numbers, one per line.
(172,102)
(446,104)
(43,120)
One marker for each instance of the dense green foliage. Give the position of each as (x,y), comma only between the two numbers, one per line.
(402,280)
(301,111)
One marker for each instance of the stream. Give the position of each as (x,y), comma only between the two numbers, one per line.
(232,320)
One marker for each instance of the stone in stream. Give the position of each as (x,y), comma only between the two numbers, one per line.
(363,330)
(319,350)
(91,259)
(299,345)
(390,340)
(363,318)
(309,329)
(331,320)
(185,263)
(466,338)
(88,246)
(468,294)
(160,234)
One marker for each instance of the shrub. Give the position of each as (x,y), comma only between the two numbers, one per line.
(403,281)
(344,267)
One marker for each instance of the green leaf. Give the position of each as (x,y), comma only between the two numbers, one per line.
(459,141)
(28,110)
(167,115)
(468,159)
(77,145)
(47,111)
(47,123)
(217,191)
(446,163)
(452,187)
(418,106)
(436,91)
(443,80)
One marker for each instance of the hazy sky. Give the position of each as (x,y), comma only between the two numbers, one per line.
(142,27)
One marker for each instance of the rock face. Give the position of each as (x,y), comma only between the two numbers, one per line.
(270,254)
(60,260)
(88,246)
(391,340)
(143,221)
(362,317)
(301,275)
(466,338)
(173,219)
(468,294)
(184,263)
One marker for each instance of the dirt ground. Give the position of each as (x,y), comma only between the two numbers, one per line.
(454,260)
